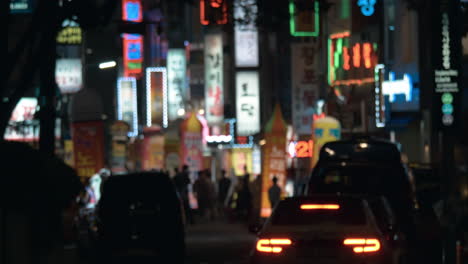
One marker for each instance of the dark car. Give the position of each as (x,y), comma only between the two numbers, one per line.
(330,229)
(140,215)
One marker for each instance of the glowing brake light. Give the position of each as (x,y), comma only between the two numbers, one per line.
(272,245)
(320,206)
(363,245)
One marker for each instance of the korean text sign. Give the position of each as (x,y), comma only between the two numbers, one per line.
(247,103)
(246,33)
(88,143)
(68,75)
(214,100)
(176,69)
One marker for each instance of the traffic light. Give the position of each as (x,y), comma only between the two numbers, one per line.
(213,12)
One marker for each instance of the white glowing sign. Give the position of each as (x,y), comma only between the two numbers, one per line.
(23,114)
(176,71)
(246,33)
(214,101)
(68,75)
(127,109)
(393,87)
(247,103)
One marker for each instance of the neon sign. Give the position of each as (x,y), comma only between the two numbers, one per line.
(393,87)
(304,23)
(133,55)
(367,7)
(301,149)
(350,63)
(131,10)
(213,12)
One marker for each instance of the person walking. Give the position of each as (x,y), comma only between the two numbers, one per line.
(204,191)
(182,182)
(274,193)
(223,188)
(244,200)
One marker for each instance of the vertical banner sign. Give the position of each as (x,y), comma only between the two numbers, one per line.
(305,85)
(214,97)
(156,97)
(247,103)
(119,131)
(127,109)
(176,71)
(88,144)
(192,144)
(132,43)
(68,75)
(447,65)
(274,158)
(379,96)
(153,152)
(246,33)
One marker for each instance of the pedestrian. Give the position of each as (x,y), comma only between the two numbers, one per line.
(244,200)
(274,192)
(204,191)
(256,190)
(182,182)
(224,184)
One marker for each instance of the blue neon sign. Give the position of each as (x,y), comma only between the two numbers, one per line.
(367,6)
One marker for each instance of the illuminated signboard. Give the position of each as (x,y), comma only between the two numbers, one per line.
(214,97)
(304,22)
(305,85)
(70,34)
(156,96)
(127,109)
(301,149)
(446,67)
(394,87)
(246,33)
(133,55)
(350,63)
(367,7)
(213,12)
(247,103)
(68,75)
(379,96)
(176,71)
(21,6)
(131,10)
(23,114)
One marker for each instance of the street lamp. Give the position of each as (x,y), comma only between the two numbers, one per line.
(107,64)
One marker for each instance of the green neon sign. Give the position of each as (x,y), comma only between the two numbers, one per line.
(292,21)
(447,98)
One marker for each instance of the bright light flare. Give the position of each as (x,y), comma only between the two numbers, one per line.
(320,206)
(107,64)
(272,245)
(363,245)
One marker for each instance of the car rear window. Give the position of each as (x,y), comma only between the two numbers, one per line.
(290,213)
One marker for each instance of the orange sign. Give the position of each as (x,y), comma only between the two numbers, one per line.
(301,149)
(88,144)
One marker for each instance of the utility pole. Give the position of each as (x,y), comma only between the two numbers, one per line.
(48,86)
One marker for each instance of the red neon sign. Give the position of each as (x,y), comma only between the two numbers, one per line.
(301,149)
(133,55)
(213,12)
(131,10)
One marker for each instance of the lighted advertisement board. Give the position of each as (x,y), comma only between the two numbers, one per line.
(351,62)
(304,21)
(213,12)
(246,33)
(214,97)
(68,75)
(156,96)
(247,103)
(127,109)
(132,43)
(132,10)
(305,85)
(176,71)
(70,33)
(23,114)
(21,6)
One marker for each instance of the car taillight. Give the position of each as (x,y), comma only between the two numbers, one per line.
(320,206)
(272,245)
(363,245)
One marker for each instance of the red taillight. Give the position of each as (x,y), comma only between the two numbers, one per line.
(363,245)
(272,245)
(320,206)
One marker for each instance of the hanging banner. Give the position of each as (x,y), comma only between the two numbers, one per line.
(68,75)
(305,85)
(88,145)
(176,71)
(156,100)
(119,131)
(192,144)
(274,158)
(325,129)
(214,97)
(247,103)
(246,33)
(127,109)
